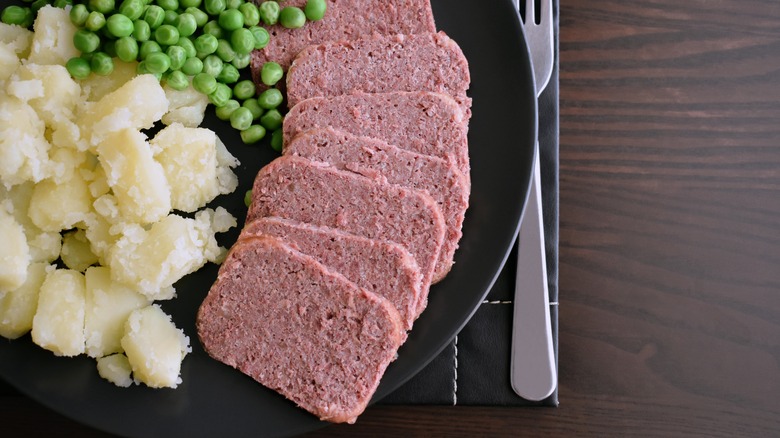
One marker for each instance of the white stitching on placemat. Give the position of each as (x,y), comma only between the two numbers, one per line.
(497,302)
(455,380)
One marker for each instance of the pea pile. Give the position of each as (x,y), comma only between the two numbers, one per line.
(206,42)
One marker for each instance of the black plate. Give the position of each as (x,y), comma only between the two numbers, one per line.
(216,400)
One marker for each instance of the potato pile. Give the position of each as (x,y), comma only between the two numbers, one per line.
(86,201)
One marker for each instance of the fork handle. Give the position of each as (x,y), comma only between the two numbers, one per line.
(533,370)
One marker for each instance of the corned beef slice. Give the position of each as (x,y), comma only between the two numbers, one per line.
(298,328)
(344,20)
(377,159)
(423,122)
(378,64)
(384,268)
(295,188)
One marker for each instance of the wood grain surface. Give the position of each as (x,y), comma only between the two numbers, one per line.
(670,234)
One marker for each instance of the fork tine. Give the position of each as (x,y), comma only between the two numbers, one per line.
(530,12)
(545,14)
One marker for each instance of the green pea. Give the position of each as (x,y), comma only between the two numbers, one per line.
(177,56)
(126,49)
(242,40)
(250,13)
(132,9)
(189,4)
(168,5)
(157,62)
(204,83)
(188,46)
(221,95)
(214,7)
(229,74)
(201,18)
(315,9)
(78,68)
(270,98)
(272,119)
(248,197)
(231,19)
(292,17)
(78,14)
(119,26)
(233,4)
(244,89)
(147,48)
(269,12)
(212,65)
(102,6)
(170,17)
(85,41)
(141,68)
(102,64)
(16,15)
(224,112)
(206,44)
(192,66)
(241,119)
(186,24)
(241,60)
(252,135)
(225,51)
(87,57)
(154,16)
(277,140)
(213,28)
(141,30)
(254,107)
(261,36)
(95,21)
(166,35)
(37,5)
(177,80)
(271,73)
(62,3)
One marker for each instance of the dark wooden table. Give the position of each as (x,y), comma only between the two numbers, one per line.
(670,234)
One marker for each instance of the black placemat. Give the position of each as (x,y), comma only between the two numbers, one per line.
(474,368)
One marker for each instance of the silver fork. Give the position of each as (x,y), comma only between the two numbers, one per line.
(533,370)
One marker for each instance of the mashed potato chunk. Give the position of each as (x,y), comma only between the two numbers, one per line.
(154,347)
(116,369)
(58,325)
(108,304)
(17,306)
(14,253)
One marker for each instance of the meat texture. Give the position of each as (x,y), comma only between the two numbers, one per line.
(376,159)
(378,64)
(299,328)
(384,268)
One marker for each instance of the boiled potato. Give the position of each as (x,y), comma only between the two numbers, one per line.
(154,347)
(95,87)
(58,325)
(189,159)
(116,369)
(44,245)
(107,307)
(56,207)
(137,180)
(9,63)
(187,106)
(52,42)
(49,89)
(135,105)
(76,253)
(14,253)
(101,235)
(17,307)
(23,147)
(16,38)
(153,260)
